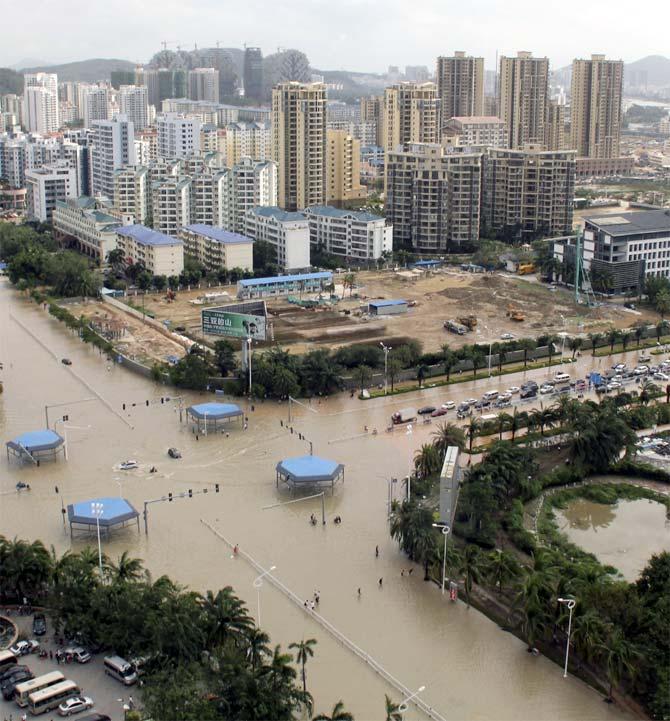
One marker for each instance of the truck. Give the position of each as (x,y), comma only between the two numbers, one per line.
(453,327)
(469,321)
(406,415)
(526,268)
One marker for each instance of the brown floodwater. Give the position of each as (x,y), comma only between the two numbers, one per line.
(624,535)
(470,667)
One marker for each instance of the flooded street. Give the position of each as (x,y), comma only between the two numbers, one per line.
(470,668)
(624,535)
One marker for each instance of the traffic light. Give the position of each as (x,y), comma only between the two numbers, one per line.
(190,493)
(216,487)
(162,400)
(170,497)
(124,406)
(147,402)
(66,418)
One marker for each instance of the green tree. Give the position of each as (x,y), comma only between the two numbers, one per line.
(472,431)
(662,303)
(224,352)
(192,371)
(448,434)
(470,569)
(393,368)
(421,373)
(319,374)
(339,713)
(160,282)
(600,440)
(478,359)
(449,360)
(226,618)
(575,344)
(363,375)
(427,460)
(392,709)
(304,651)
(612,336)
(144,280)
(126,569)
(116,259)
(502,568)
(349,281)
(527,345)
(595,339)
(620,657)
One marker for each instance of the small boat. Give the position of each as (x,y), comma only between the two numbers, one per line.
(128,465)
(174,453)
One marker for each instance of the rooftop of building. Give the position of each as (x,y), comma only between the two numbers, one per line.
(477,119)
(330,211)
(272,211)
(641,221)
(386,303)
(218,234)
(147,236)
(321,275)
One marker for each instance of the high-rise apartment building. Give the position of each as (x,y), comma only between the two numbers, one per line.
(253,73)
(95,105)
(343,168)
(477,131)
(178,135)
(171,204)
(113,147)
(460,86)
(247,140)
(595,125)
(523,97)
(40,102)
(528,193)
(411,113)
(247,184)
(203,84)
(372,111)
(131,192)
(134,102)
(555,127)
(299,143)
(433,196)
(45,186)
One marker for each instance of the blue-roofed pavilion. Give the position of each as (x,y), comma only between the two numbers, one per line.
(114,513)
(303,471)
(36,445)
(208,415)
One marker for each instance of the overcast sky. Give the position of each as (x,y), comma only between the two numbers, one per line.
(366,35)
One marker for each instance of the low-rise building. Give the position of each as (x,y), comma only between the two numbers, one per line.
(217,249)
(85,225)
(171,204)
(287,232)
(354,235)
(604,167)
(159,253)
(47,185)
(477,131)
(282,285)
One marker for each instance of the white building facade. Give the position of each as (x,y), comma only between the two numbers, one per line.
(287,232)
(160,254)
(113,148)
(47,185)
(178,135)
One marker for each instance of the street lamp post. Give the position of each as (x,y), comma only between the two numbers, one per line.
(409,468)
(570,603)
(97,509)
(445,532)
(386,348)
(258,584)
(249,361)
(403,706)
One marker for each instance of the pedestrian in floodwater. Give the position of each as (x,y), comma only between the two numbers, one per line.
(376,551)
(402,571)
(359,593)
(381,580)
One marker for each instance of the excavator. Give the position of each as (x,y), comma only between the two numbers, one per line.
(469,321)
(515,313)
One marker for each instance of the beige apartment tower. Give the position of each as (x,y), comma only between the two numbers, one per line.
(523,97)
(555,127)
(460,86)
(343,168)
(299,143)
(411,114)
(372,111)
(596,107)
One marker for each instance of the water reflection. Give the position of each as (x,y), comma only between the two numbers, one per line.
(583,515)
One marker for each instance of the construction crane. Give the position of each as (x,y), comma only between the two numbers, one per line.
(165,43)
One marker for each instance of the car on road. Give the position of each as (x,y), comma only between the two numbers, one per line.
(660,376)
(528,393)
(439,412)
(613,386)
(619,367)
(39,624)
(95,717)
(561,377)
(448,405)
(483,403)
(66,361)
(10,684)
(470,401)
(507,336)
(513,389)
(426,410)
(22,648)
(13,671)
(78,653)
(75,705)
(507,396)
(546,388)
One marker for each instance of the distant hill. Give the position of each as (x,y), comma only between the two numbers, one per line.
(654,70)
(88,71)
(10,82)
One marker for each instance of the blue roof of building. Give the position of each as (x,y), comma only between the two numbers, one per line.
(114,511)
(272,211)
(214,411)
(332,212)
(147,236)
(218,234)
(386,303)
(32,441)
(426,263)
(321,275)
(308,469)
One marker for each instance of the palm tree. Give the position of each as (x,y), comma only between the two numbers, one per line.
(589,632)
(595,338)
(225,617)
(626,337)
(363,375)
(393,712)
(426,460)
(304,651)
(639,332)
(421,373)
(518,421)
(619,657)
(450,359)
(394,366)
(661,328)
(535,597)
(338,714)
(503,420)
(257,648)
(448,434)
(575,344)
(25,568)
(127,568)
(527,344)
(551,349)
(477,357)
(542,418)
(472,430)
(612,336)
(501,567)
(470,569)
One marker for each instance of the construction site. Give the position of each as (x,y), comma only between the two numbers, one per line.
(489,307)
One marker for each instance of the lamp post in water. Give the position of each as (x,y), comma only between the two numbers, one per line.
(445,533)
(403,706)
(258,584)
(97,509)
(570,603)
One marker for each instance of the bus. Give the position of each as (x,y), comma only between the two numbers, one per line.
(51,697)
(24,689)
(7,659)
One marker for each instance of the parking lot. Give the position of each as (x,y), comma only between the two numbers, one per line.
(108,695)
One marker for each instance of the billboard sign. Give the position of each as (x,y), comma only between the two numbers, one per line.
(242,320)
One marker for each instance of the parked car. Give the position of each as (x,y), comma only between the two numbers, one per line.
(513,389)
(13,671)
(426,410)
(448,405)
(528,393)
(507,336)
(22,648)
(39,624)
(470,401)
(546,388)
(11,683)
(439,412)
(78,653)
(75,705)
(660,376)
(66,361)
(613,386)
(561,378)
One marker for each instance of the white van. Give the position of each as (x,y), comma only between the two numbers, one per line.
(490,395)
(561,377)
(120,669)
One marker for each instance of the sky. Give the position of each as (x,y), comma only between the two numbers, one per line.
(363,35)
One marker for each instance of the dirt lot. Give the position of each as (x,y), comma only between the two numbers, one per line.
(133,338)
(439,296)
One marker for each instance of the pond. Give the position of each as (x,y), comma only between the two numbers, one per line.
(624,535)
